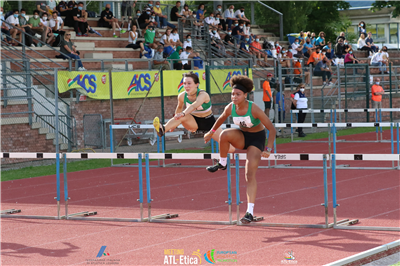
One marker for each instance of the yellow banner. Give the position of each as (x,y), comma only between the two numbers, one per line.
(136,84)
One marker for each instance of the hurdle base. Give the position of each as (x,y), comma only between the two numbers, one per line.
(161,216)
(257,219)
(193,222)
(85,213)
(30,217)
(322,226)
(10,211)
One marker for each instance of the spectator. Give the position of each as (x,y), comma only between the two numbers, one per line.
(350,58)
(312,38)
(126,11)
(108,20)
(267,94)
(12,20)
(301,36)
(174,38)
(165,41)
(277,47)
(245,45)
(51,7)
(297,49)
(341,36)
(161,18)
(198,25)
(149,6)
(330,53)
(315,56)
(237,31)
(385,56)
(246,29)
(4,28)
(239,14)
(80,23)
(284,59)
(62,8)
(187,42)
(230,16)
(339,49)
(56,23)
(144,18)
(186,13)
(308,48)
(300,101)
(159,61)
(322,70)
(346,47)
(37,26)
(200,14)
(279,101)
(361,28)
(133,42)
(377,60)
(175,57)
(228,37)
(153,19)
(150,36)
(69,49)
(222,22)
(320,41)
(25,27)
(256,49)
(377,92)
(69,18)
(299,71)
(185,55)
(214,34)
(46,23)
(370,42)
(175,12)
(362,45)
(218,20)
(210,20)
(289,52)
(41,6)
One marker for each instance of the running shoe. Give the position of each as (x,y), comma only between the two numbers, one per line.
(216,167)
(122,31)
(247,218)
(159,128)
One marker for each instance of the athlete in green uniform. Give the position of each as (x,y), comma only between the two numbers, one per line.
(250,136)
(193,110)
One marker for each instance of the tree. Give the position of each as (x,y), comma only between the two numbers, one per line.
(378,5)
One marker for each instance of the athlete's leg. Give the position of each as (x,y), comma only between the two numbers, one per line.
(216,138)
(252,162)
(187,122)
(230,137)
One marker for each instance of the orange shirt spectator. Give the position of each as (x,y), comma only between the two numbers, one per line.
(256,45)
(315,56)
(374,89)
(297,67)
(267,91)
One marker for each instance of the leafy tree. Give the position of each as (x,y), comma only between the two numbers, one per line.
(378,5)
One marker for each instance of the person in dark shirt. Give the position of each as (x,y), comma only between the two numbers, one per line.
(108,20)
(228,37)
(62,8)
(79,22)
(237,31)
(41,6)
(144,18)
(175,12)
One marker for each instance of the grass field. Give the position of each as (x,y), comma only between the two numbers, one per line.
(35,171)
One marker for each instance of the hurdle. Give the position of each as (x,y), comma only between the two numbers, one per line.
(89,215)
(364,157)
(186,156)
(10,213)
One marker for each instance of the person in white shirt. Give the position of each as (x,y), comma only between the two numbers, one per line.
(362,45)
(246,28)
(378,60)
(214,33)
(210,20)
(217,22)
(46,23)
(185,55)
(297,49)
(239,14)
(133,42)
(187,42)
(174,38)
(56,23)
(230,16)
(300,101)
(221,17)
(186,13)
(12,20)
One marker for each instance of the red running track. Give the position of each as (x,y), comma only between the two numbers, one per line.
(284,196)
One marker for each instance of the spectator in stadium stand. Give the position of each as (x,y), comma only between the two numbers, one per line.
(186,13)
(267,94)
(46,23)
(126,11)
(363,46)
(289,52)
(210,20)
(277,47)
(300,101)
(24,26)
(56,23)
(37,26)
(370,42)
(239,14)
(108,20)
(312,38)
(222,22)
(315,56)
(320,41)
(228,37)
(256,49)
(186,64)
(218,20)
(377,92)
(133,42)
(68,48)
(165,41)
(174,38)
(62,8)
(361,28)
(149,5)
(188,41)
(144,18)
(284,59)
(12,20)
(308,48)
(150,36)
(214,33)
(385,56)
(175,57)
(230,16)
(245,45)
(237,31)
(246,29)
(341,36)
(175,12)
(80,23)
(339,49)
(4,28)
(41,6)
(51,6)
(350,58)
(297,49)
(377,60)
(159,61)
(330,53)
(346,47)
(161,18)
(201,13)
(153,19)
(323,70)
